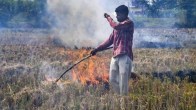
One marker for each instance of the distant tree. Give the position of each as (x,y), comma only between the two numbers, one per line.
(6,11)
(190,7)
(187,6)
(168,4)
(32,11)
(40,11)
(152,10)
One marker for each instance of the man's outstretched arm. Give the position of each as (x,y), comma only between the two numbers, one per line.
(104,45)
(127,24)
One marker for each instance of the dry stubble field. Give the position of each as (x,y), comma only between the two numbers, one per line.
(27,73)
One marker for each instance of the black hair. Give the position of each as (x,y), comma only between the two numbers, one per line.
(122,9)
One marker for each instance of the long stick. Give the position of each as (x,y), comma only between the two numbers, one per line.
(78,63)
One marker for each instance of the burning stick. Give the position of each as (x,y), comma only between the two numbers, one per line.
(73,66)
(78,63)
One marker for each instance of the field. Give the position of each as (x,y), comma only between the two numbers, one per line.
(28,72)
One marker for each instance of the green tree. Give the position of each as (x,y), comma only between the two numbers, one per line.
(7,11)
(30,11)
(153,9)
(189,6)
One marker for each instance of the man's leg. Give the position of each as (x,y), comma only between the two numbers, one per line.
(125,65)
(114,75)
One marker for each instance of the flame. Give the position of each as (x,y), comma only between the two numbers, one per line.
(93,70)
(74,76)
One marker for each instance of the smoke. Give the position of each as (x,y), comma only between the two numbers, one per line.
(80,22)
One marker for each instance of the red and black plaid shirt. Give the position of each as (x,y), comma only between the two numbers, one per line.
(121,38)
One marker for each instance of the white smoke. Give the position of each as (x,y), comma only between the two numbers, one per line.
(81,22)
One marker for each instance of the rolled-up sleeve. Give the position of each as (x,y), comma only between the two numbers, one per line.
(120,26)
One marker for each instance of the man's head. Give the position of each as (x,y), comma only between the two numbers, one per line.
(122,12)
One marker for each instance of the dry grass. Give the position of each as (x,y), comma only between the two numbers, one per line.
(150,60)
(24,84)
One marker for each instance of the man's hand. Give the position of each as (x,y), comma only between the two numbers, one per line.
(106,15)
(93,52)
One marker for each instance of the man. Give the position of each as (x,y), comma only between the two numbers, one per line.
(121,38)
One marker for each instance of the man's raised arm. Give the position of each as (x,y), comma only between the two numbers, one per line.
(118,26)
(104,45)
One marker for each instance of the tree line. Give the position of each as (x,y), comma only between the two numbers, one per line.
(31,11)
(183,8)
(15,12)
